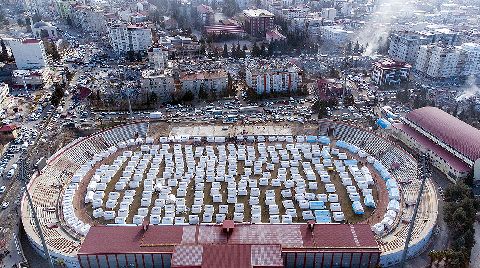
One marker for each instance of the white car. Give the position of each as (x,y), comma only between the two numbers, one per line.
(2,189)
(5,205)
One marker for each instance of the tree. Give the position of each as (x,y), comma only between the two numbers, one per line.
(36,17)
(51,50)
(356,49)
(255,50)
(188,96)
(4,53)
(263,50)
(58,93)
(225,51)
(349,47)
(202,50)
(230,8)
(139,56)
(131,55)
(43,34)
(20,22)
(202,93)
(349,100)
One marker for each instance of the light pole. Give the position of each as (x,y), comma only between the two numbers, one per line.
(23,179)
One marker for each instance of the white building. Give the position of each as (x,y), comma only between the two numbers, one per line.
(158,57)
(43,29)
(267,77)
(158,82)
(28,53)
(295,12)
(336,35)
(470,59)
(4,93)
(329,13)
(444,61)
(405,46)
(124,38)
(214,81)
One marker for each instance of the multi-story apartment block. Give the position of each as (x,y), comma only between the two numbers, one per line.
(404,46)
(158,82)
(28,53)
(213,82)
(258,22)
(89,18)
(267,77)
(124,38)
(206,14)
(295,12)
(336,35)
(158,57)
(470,59)
(444,61)
(4,93)
(329,13)
(390,72)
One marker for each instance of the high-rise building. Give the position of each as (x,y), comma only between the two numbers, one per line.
(404,46)
(135,37)
(158,57)
(390,72)
(258,22)
(28,53)
(445,61)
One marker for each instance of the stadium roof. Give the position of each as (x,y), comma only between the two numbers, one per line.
(170,239)
(449,129)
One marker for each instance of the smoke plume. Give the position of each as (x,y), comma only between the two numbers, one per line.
(470,91)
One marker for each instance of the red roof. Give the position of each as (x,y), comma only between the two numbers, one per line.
(226,256)
(452,160)
(30,41)
(165,238)
(8,128)
(449,129)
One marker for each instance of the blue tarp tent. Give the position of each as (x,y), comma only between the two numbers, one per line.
(383,123)
(324,139)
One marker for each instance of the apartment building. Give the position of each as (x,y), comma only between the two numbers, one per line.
(273,76)
(258,22)
(158,82)
(336,35)
(28,53)
(390,72)
(134,37)
(158,57)
(212,81)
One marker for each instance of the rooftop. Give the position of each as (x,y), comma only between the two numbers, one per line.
(449,129)
(167,238)
(258,13)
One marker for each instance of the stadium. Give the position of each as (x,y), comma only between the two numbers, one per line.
(149,194)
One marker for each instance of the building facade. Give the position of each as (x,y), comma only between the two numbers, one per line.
(4,96)
(213,82)
(158,82)
(258,22)
(158,57)
(273,77)
(264,245)
(28,53)
(125,38)
(336,35)
(390,72)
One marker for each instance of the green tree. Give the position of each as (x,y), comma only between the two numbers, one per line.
(131,55)
(349,100)
(356,49)
(188,96)
(263,50)
(348,49)
(58,93)
(4,53)
(255,50)
(225,51)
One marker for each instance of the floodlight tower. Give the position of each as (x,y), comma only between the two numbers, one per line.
(424,175)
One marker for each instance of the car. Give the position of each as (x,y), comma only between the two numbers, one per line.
(5,205)
(2,189)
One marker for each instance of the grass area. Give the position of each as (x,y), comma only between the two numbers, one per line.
(345,202)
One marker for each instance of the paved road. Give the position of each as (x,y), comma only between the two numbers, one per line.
(475,256)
